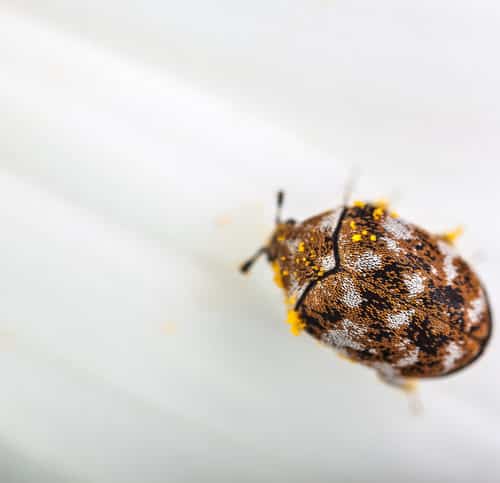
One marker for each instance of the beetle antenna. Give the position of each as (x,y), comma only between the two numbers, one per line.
(279,205)
(350,185)
(245,267)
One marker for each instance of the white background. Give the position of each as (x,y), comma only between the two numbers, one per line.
(141,144)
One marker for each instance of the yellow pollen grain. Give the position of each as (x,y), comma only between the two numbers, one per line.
(277,275)
(451,236)
(285,273)
(345,357)
(382,203)
(373,237)
(377,213)
(321,273)
(283,258)
(364,232)
(304,259)
(393,214)
(296,325)
(301,246)
(281,238)
(297,260)
(352,224)
(410,385)
(356,237)
(359,204)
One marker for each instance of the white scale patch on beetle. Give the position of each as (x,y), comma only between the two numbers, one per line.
(351,297)
(477,307)
(394,321)
(346,336)
(386,371)
(327,263)
(296,289)
(293,245)
(409,359)
(329,224)
(368,260)
(397,228)
(330,221)
(454,352)
(414,283)
(448,265)
(392,244)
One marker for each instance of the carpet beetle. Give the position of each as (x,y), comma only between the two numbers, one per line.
(381,291)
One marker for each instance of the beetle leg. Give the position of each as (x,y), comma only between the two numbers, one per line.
(408,386)
(404,383)
(350,185)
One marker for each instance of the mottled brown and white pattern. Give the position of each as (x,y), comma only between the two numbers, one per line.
(384,292)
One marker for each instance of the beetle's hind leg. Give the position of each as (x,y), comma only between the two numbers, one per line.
(408,385)
(404,383)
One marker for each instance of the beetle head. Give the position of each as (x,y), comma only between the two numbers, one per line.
(280,234)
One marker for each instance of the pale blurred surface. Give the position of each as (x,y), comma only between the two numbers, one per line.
(142,143)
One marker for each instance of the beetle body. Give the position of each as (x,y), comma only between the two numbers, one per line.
(382,291)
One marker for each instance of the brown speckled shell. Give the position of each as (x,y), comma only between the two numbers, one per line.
(399,300)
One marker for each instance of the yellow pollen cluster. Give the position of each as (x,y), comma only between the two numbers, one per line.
(308,258)
(277,274)
(319,270)
(382,203)
(296,325)
(377,213)
(380,207)
(281,238)
(410,385)
(359,204)
(451,236)
(345,357)
(357,237)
